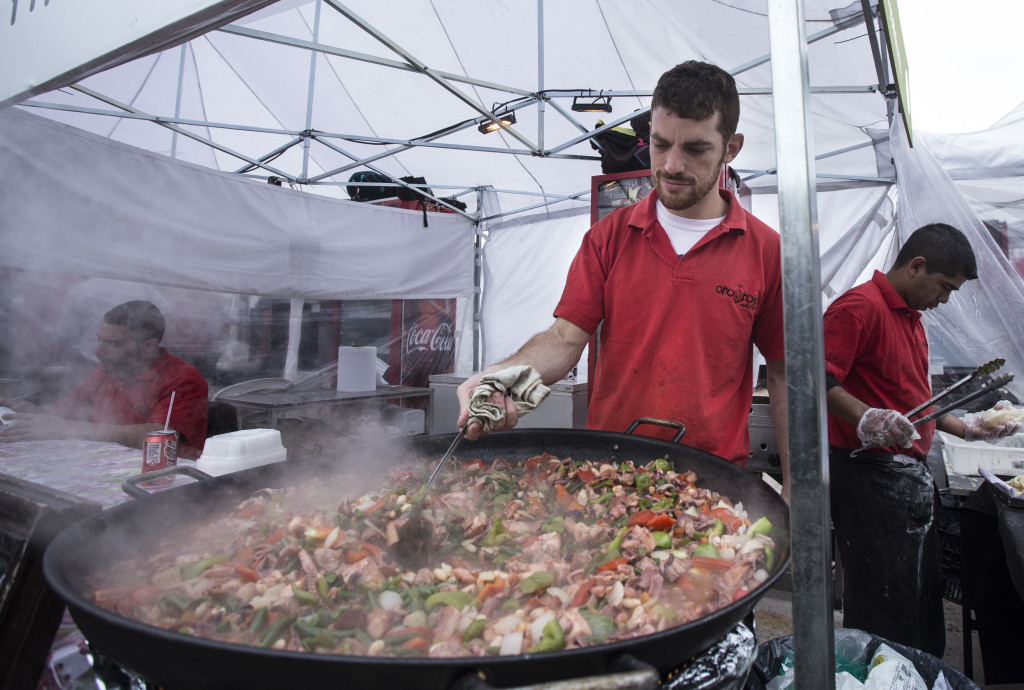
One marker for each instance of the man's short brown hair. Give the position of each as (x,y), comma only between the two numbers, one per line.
(697,90)
(142,319)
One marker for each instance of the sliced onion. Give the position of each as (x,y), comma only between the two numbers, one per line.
(389,600)
(562,595)
(614,597)
(507,624)
(537,626)
(511,644)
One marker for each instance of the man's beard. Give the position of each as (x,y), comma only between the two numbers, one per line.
(680,201)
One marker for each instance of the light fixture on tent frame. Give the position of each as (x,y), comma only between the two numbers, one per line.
(592,104)
(506,119)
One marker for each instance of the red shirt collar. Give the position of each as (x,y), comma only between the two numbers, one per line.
(891,297)
(644,216)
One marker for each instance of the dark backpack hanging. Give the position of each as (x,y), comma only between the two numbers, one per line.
(366,192)
(415,193)
(625,150)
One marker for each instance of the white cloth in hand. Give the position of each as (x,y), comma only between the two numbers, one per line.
(522,384)
(886,428)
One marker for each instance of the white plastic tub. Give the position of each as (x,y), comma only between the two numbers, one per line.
(240,450)
(965,457)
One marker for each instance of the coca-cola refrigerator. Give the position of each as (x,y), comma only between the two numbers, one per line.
(425,334)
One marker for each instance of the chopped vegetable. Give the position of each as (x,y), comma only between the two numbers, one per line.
(536,581)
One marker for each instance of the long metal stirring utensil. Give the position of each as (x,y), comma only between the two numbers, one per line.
(413,535)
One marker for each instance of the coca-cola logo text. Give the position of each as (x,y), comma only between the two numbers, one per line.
(437,339)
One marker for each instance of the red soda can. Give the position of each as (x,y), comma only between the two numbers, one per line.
(160,450)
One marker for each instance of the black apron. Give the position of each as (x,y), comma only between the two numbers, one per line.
(884,515)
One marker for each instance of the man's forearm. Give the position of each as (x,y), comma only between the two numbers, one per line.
(776,384)
(553,353)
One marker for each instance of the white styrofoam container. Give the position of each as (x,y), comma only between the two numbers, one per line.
(965,457)
(240,450)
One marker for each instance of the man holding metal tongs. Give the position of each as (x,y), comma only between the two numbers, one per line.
(882,495)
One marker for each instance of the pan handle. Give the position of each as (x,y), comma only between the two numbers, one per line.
(659,422)
(627,672)
(132,485)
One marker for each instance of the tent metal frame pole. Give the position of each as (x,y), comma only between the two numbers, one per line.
(540,74)
(177,97)
(439,79)
(363,57)
(478,287)
(805,388)
(309,92)
(179,130)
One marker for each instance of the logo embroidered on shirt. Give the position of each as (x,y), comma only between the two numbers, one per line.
(739,296)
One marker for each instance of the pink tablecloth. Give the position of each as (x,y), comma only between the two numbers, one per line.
(87,469)
(90,470)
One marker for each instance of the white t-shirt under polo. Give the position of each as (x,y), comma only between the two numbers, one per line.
(684,232)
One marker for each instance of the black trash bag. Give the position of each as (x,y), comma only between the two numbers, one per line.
(365,192)
(726,665)
(771,654)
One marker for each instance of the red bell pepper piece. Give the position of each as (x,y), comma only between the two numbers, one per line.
(583,593)
(562,497)
(709,563)
(640,517)
(612,564)
(732,522)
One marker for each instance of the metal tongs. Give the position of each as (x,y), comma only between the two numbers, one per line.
(414,534)
(983,371)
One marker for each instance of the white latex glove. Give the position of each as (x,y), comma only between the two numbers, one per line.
(886,428)
(980,430)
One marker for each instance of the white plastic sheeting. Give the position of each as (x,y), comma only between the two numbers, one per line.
(86,205)
(525,264)
(982,321)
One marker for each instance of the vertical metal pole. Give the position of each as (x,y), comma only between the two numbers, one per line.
(540,74)
(309,92)
(177,98)
(805,368)
(291,358)
(478,270)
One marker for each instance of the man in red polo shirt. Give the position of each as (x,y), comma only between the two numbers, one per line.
(883,500)
(683,284)
(128,394)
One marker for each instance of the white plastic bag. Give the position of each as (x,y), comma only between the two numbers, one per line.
(844,681)
(890,670)
(941,683)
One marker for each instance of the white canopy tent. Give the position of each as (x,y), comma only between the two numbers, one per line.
(308,91)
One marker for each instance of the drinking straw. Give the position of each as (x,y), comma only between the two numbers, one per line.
(170,406)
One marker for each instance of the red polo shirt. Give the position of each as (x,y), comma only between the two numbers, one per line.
(103,398)
(677,332)
(875,346)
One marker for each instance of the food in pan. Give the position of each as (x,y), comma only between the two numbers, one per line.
(1017,482)
(546,554)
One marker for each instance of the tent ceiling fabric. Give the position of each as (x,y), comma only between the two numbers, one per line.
(246,88)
